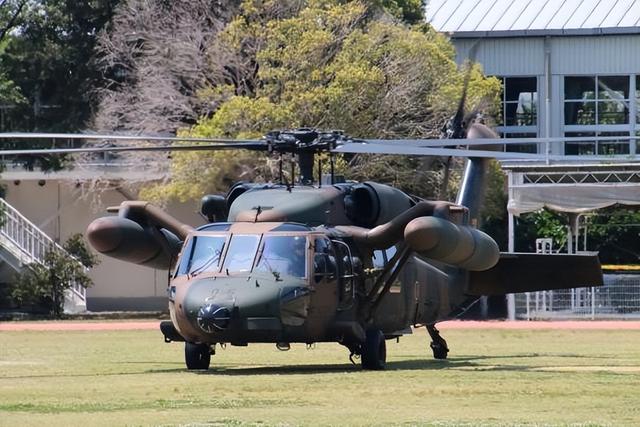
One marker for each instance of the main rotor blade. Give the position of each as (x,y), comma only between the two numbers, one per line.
(108,137)
(455,142)
(458,124)
(204,147)
(401,149)
(492,141)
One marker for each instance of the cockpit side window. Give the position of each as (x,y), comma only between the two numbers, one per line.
(324,260)
(183,264)
(345,267)
(283,255)
(241,253)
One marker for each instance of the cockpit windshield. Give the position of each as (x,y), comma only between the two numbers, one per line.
(283,255)
(203,254)
(278,255)
(241,253)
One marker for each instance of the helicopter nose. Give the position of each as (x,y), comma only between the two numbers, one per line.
(213,318)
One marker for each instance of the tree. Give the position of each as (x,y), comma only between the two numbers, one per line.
(9,16)
(327,64)
(154,61)
(44,284)
(10,11)
(615,233)
(612,231)
(48,56)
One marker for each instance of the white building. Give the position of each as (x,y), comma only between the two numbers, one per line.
(570,72)
(53,206)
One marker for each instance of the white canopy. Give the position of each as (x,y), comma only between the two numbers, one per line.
(571,197)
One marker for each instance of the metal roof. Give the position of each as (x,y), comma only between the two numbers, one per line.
(513,18)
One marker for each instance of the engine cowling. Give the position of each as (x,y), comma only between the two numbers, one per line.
(443,241)
(370,204)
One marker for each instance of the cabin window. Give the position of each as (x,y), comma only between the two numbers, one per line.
(283,256)
(378,259)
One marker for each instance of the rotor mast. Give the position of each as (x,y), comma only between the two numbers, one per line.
(304,143)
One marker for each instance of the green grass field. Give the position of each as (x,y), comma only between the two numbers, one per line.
(493,377)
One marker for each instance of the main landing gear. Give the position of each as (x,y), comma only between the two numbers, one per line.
(197,356)
(438,344)
(374,351)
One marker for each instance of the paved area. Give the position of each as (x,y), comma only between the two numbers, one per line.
(84,325)
(558,324)
(124,325)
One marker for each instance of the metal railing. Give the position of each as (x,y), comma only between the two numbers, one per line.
(619,298)
(28,243)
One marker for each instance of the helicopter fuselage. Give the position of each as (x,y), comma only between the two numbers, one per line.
(240,283)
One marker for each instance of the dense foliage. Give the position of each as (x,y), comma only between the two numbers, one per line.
(325,64)
(613,232)
(46,68)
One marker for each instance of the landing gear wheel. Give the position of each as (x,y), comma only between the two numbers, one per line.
(374,351)
(197,356)
(438,345)
(439,350)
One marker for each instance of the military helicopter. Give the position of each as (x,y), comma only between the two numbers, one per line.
(346,262)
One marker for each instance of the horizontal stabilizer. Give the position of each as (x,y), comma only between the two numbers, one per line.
(526,272)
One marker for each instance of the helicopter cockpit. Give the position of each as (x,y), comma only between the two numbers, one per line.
(279,255)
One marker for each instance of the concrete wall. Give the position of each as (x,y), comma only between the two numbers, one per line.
(59,210)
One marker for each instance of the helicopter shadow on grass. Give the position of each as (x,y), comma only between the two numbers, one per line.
(462,363)
(343,368)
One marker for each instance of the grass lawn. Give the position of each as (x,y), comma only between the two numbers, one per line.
(493,377)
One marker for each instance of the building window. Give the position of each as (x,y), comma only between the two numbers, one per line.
(599,107)
(519,114)
(520,148)
(601,100)
(605,143)
(519,101)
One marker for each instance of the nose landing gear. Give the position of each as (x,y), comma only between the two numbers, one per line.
(197,356)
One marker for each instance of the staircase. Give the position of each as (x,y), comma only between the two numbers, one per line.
(21,243)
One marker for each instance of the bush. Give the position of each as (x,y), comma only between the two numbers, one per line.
(44,284)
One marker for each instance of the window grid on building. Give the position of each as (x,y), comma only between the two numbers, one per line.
(600,106)
(519,112)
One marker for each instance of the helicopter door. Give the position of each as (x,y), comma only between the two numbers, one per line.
(346,276)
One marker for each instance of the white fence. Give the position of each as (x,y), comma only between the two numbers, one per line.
(618,298)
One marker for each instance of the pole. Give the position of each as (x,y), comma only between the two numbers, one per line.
(511,298)
(547,94)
